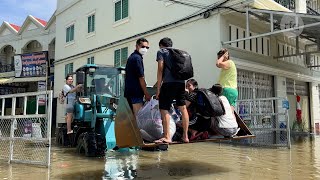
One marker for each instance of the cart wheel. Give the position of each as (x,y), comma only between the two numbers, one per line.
(101,145)
(80,144)
(90,144)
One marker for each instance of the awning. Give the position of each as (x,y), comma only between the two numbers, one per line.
(27,79)
(5,80)
(269,5)
(281,22)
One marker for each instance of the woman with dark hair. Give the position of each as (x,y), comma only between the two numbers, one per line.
(191,85)
(198,125)
(225,125)
(69,92)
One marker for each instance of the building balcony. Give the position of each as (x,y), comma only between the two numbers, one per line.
(313,6)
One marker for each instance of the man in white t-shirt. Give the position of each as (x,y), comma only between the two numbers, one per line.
(225,125)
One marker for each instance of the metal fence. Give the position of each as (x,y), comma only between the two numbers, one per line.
(268,119)
(25,136)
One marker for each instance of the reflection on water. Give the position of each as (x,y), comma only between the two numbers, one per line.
(189,161)
(121,165)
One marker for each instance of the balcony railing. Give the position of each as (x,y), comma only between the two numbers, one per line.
(6,68)
(313,6)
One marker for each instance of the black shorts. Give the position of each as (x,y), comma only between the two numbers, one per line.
(169,92)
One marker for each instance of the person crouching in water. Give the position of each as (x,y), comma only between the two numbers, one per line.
(225,125)
(198,125)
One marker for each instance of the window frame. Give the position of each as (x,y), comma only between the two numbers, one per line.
(67,68)
(122,18)
(121,58)
(91,26)
(90,60)
(68,33)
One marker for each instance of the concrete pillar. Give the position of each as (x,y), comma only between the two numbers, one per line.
(45,46)
(301,6)
(18,51)
(315,106)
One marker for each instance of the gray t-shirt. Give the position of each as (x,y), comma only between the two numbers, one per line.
(163,55)
(70,98)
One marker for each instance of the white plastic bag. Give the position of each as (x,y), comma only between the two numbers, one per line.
(149,120)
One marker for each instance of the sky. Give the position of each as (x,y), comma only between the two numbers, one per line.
(16,11)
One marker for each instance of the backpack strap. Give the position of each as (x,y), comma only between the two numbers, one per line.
(65,95)
(164,61)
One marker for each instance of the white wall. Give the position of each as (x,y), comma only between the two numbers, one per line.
(140,20)
(202,39)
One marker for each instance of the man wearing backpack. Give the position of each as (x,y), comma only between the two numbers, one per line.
(170,88)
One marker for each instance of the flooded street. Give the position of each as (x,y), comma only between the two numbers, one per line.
(189,161)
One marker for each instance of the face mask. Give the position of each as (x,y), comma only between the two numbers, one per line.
(143,51)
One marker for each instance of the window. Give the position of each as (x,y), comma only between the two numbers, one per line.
(257,46)
(121,9)
(268,47)
(244,43)
(237,37)
(250,42)
(90,60)
(120,57)
(91,23)
(68,69)
(262,45)
(230,33)
(70,33)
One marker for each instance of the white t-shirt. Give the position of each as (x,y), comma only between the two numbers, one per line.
(70,98)
(228,120)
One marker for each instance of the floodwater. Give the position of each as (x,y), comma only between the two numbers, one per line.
(187,161)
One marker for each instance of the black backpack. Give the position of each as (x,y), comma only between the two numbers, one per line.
(209,104)
(181,66)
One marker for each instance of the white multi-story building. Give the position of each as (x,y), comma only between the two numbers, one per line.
(104,32)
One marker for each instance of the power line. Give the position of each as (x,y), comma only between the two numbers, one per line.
(190,4)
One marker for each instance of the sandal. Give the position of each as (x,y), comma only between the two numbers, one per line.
(196,137)
(161,141)
(70,132)
(205,135)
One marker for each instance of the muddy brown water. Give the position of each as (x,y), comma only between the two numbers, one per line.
(187,161)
